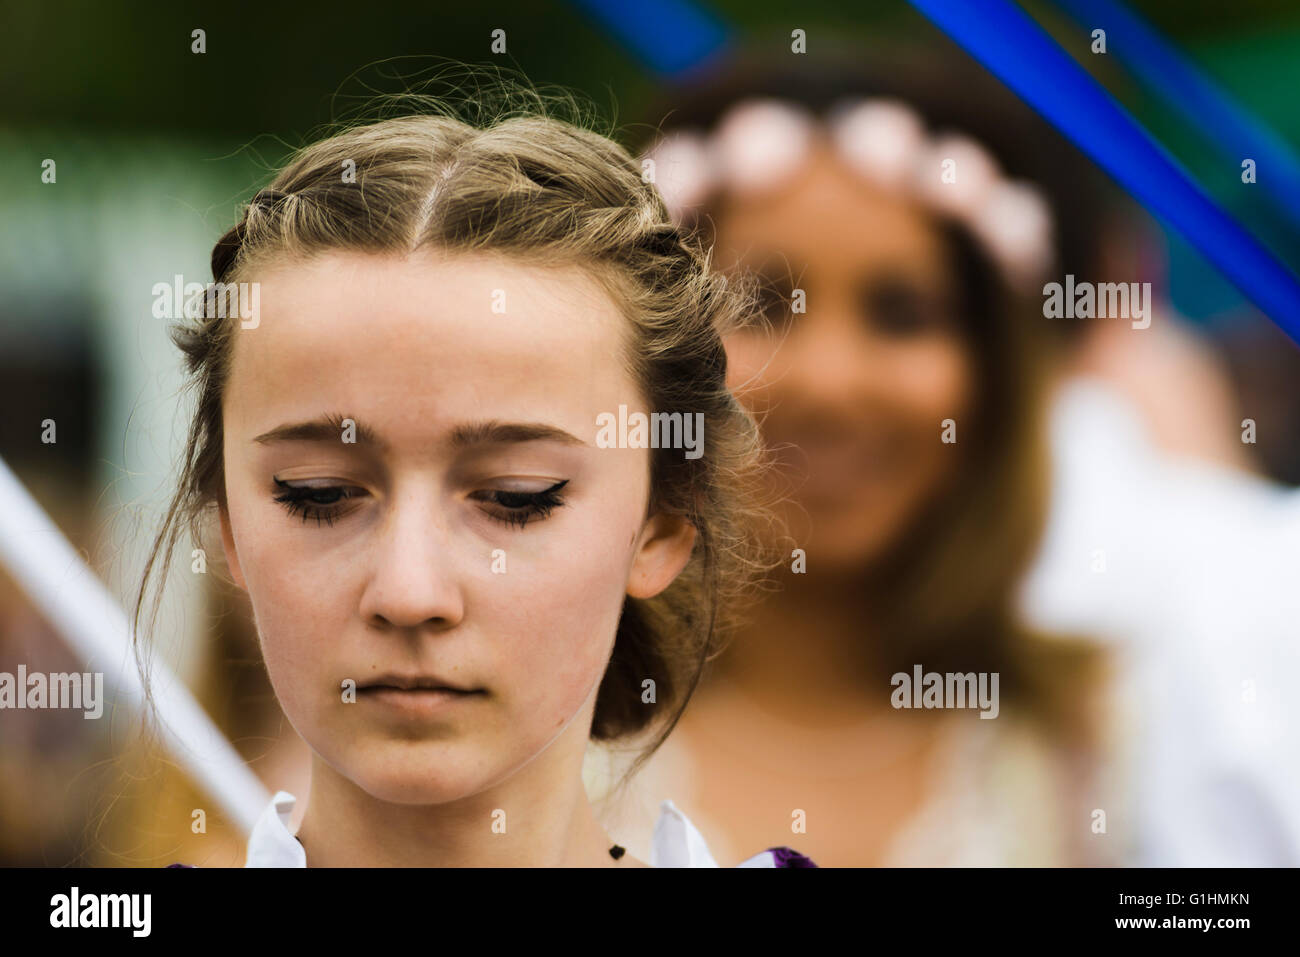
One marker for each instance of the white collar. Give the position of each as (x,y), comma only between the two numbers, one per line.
(271,844)
(676,843)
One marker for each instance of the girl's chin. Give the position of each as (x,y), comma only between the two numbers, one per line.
(412,788)
(404,776)
(846,540)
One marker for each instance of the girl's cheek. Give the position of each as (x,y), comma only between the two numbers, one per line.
(554,651)
(940,378)
(754,364)
(746,353)
(291,612)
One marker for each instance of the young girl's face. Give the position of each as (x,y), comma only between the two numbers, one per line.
(467,532)
(854,393)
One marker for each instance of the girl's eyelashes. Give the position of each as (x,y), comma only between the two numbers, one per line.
(513,508)
(517,509)
(314,501)
(899,308)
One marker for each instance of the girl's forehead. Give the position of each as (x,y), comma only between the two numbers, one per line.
(822,214)
(428,285)
(468,336)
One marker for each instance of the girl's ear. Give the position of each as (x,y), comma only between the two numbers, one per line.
(228,547)
(663,549)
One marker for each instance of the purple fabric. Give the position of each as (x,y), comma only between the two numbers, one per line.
(788,857)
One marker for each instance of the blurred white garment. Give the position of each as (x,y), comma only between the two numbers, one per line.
(997,794)
(1191,574)
(676,843)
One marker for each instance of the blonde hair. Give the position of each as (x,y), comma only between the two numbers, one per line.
(525,183)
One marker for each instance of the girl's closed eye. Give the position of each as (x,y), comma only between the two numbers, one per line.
(514,507)
(315,501)
(518,508)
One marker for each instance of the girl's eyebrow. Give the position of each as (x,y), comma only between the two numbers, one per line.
(329,428)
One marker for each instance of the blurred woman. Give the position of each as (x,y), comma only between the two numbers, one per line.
(898,377)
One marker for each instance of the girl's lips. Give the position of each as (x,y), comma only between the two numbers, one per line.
(833,471)
(414,682)
(417,702)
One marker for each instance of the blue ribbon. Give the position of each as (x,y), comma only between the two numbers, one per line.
(1177,81)
(673,37)
(1029,62)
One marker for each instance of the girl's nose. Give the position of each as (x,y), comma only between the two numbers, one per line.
(412,579)
(828,360)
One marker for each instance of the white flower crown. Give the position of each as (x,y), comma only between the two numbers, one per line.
(760,143)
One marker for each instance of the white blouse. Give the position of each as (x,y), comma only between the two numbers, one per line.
(676,843)
(1187,572)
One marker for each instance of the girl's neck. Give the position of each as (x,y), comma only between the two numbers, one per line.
(805,652)
(542,826)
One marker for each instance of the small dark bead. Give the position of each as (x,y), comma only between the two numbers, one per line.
(616,852)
